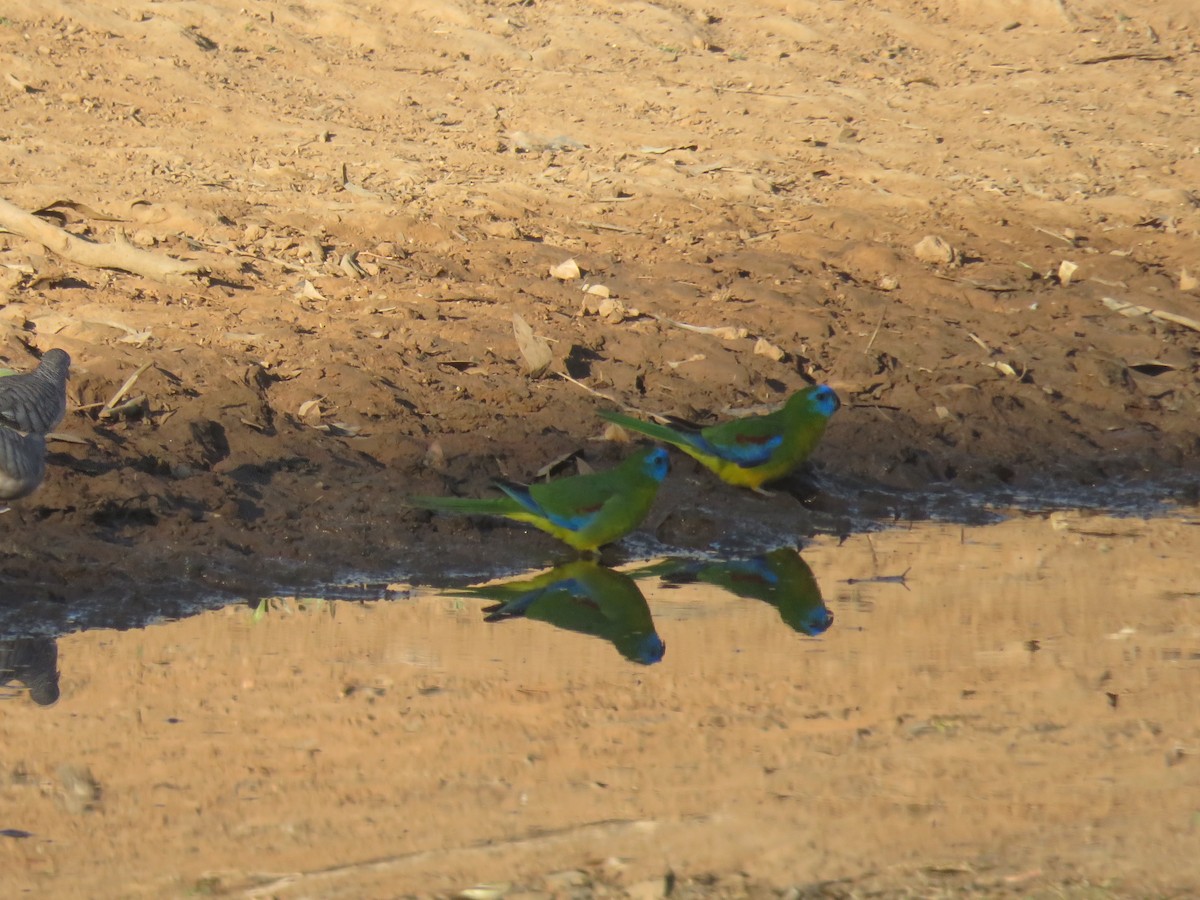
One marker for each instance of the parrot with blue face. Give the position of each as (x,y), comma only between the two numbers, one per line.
(780,577)
(752,451)
(581,596)
(583,511)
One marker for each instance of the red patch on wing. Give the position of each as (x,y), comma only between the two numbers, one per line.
(754,439)
(747,578)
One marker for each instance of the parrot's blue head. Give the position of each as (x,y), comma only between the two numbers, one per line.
(648,650)
(823,400)
(816,622)
(656,463)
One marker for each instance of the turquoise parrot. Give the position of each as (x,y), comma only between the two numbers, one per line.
(584,597)
(584,511)
(752,451)
(780,578)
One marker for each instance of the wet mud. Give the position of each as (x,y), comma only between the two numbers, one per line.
(374,195)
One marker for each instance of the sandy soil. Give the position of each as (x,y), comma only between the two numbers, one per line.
(937,208)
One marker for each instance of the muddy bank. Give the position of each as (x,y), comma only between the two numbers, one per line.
(374,195)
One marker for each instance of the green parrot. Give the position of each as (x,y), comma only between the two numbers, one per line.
(584,511)
(780,578)
(584,597)
(752,451)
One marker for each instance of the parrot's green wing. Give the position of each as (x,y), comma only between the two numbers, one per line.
(755,449)
(584,511)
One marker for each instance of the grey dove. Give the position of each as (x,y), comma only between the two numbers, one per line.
(22,462)
(37,401)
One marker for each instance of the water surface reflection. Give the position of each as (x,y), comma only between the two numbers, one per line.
(781,578)
(1028,700)
(581,596)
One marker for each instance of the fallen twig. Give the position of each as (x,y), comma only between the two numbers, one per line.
(592,391)
(119,254)
(901,579)
(107,409)
(1131,310)
(1132,54)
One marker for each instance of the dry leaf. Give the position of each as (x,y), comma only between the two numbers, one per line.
(616,433)
(725,332)
(19,84)
(1066,270)
(535,349)
(1131,310)
(309,291)
(676,363)
(557,463)
(349,264)
(309,406)
(137,338)
(1153,367)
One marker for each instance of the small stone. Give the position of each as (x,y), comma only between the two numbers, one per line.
(763,347)
(935,250)
(567,270)
(611,311)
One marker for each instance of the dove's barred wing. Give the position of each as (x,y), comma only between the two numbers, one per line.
(36,401)
(22,463)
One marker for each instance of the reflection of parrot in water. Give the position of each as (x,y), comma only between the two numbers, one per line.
(585,511)
(752,451)
(780,577)
(580,596)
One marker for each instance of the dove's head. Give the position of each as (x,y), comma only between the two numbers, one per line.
(56,362)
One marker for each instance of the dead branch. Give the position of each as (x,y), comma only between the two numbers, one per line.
(119,254)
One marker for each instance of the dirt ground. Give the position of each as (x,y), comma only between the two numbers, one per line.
(976,219)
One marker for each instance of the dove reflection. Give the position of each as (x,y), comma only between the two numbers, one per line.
(581,596)
(780,578)
(33,661)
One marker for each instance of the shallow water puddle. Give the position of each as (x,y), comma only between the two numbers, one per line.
(1024,699)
